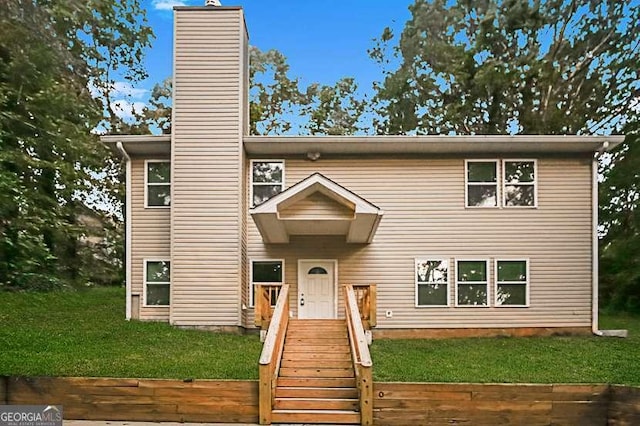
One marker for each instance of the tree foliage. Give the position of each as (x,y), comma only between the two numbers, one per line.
(335,110)
(509,66)
(278,103)
(53,55)
(620,216)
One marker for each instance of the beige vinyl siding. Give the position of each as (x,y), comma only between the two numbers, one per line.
(317,206)
(206,155)
(150,239)
(425,217)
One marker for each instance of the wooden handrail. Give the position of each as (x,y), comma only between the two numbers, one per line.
(360,354)
(272,355)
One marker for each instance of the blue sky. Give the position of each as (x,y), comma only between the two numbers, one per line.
(322,40)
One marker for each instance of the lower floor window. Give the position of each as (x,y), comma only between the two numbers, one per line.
(157,283)
(471,283)
(432,281)
(266,273)
(512,282)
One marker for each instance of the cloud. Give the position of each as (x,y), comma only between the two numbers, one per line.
(168,4)
(125,109)
(121,88)
(118,89)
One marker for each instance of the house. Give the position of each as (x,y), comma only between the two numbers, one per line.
(462,235)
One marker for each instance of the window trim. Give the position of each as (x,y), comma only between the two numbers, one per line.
(251,303)
(467,183)
(417,283)
(534,183)
(486,282)
(147,183)
(145,261)
(526,283)
(251,183)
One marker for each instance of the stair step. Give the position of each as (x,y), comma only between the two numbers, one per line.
(350,404)
(316,348)
(315,392)
(320,356)
(322,335)
(316,417)
(316,364)
(316,372)
(317,382)
(316,341)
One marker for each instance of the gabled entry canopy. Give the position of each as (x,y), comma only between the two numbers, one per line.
(317,206)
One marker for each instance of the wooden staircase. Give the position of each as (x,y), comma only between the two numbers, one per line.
(316,382)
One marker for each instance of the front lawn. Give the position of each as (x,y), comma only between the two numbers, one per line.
(520,360)
(84,334)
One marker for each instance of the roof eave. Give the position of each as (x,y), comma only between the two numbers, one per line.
(476,144)
(139,145)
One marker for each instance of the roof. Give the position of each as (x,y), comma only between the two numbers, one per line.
(348,214)
(139,145)
(345,145)
(431,144)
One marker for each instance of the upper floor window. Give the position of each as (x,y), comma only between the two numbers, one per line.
(267,180)
(519,183)
(482,183)
(158,183)
(515,181)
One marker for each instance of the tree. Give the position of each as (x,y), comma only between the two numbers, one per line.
(52,55)
(620,216)
(277,103)
(335,110)
(509,66)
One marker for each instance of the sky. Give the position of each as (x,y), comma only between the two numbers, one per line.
(322,40)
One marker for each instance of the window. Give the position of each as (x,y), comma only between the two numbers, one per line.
(267,180)
(158,183)
(482,183)
(432,282)
(157,283)
(266,272)
(512,283)
(519,183)
(471,282)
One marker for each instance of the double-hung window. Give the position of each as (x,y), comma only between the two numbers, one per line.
(519,177)
(512,282)
(157,282)
(481,183)
(158,183)
(471,282)
(266,273)
(267,180)
(432,282)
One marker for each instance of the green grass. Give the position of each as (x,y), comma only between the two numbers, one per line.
(84,334)
(515,360)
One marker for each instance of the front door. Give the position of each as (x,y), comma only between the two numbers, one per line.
(316,289)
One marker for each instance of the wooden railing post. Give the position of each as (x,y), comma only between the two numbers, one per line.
(272,355)
(366,298)
(362,362)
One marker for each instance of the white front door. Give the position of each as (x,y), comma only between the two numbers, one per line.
(316,289)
